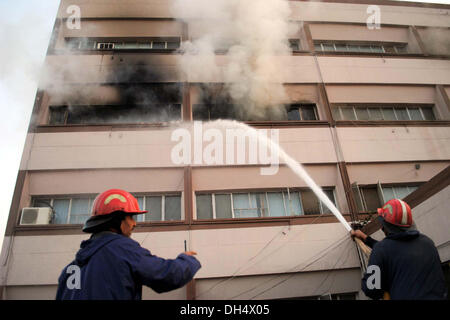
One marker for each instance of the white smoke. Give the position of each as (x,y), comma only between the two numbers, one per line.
(251,34)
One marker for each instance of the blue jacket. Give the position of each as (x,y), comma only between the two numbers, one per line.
(410,268)
(114,267)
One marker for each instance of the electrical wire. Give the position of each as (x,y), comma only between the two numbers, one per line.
(325,251)
(319,256)
(240,268)
(334,267)
(249,260)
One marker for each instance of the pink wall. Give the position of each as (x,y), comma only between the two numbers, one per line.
(384,70)
(394,172)
(384,144)
(301,10)
(358,33)
(96,181)
(152,148)
(380,94)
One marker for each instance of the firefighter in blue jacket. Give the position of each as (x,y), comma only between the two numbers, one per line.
(112,266)
(405,263)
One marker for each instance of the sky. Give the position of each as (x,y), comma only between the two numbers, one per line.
(25,29)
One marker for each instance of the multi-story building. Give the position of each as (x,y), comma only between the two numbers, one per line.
(366,110)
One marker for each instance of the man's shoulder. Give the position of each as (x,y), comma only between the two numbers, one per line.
(125,243)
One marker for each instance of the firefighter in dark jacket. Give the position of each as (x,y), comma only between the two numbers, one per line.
(112,266)
(405,263)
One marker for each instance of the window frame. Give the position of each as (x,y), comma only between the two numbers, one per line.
(91,199)
(69,211)
(163,207)
(118,44)
(266,208)
(360,197)
(170,107)
(380,107)
(299,107)
(359,44)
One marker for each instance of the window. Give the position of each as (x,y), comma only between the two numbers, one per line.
(302,112)
(58,115)
(105,46)
(159,207)
(352,47)
(383,112)
(63,115)
(294,44)
(80,44)
(67,210)
(213,111)
(260,204)
(370,198)
(164,43)
(77,210)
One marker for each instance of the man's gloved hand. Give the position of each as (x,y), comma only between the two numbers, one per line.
(190,253)
(358,234)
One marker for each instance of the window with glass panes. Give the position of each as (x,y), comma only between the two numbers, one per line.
(160,207)
(67,210)
(286,202)
(373,197)
(383,112)
(170,43)
(363,48)
(302,112)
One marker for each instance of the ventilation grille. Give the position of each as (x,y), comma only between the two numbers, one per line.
(31,216)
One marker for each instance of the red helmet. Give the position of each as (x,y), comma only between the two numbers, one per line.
(396,212)
(108,202)
(115,200)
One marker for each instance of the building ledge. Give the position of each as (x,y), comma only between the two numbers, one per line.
(159,226)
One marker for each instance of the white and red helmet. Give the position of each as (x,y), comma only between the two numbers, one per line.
(396,212)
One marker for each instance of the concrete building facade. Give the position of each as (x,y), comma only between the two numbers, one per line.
(367,112)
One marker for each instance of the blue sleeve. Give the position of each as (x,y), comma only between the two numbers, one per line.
(164,275)
(373,282)
(371,242)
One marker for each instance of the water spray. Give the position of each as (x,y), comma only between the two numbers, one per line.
(296,167)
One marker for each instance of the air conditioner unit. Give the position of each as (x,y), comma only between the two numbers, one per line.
(31,216)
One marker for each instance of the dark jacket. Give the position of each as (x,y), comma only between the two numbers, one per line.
(115,267)
(410,267)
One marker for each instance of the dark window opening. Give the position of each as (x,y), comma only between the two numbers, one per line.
(294,44)
(302,112)
(213,112)
(58,115)
(114,114)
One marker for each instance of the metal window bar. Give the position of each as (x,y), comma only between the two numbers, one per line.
(268,205)
(395,113)
(182,213)
(284,203)
(213,199)
(421,113)
(232,207)
(163,208)
(53,211)
(69,211)
(409,115)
